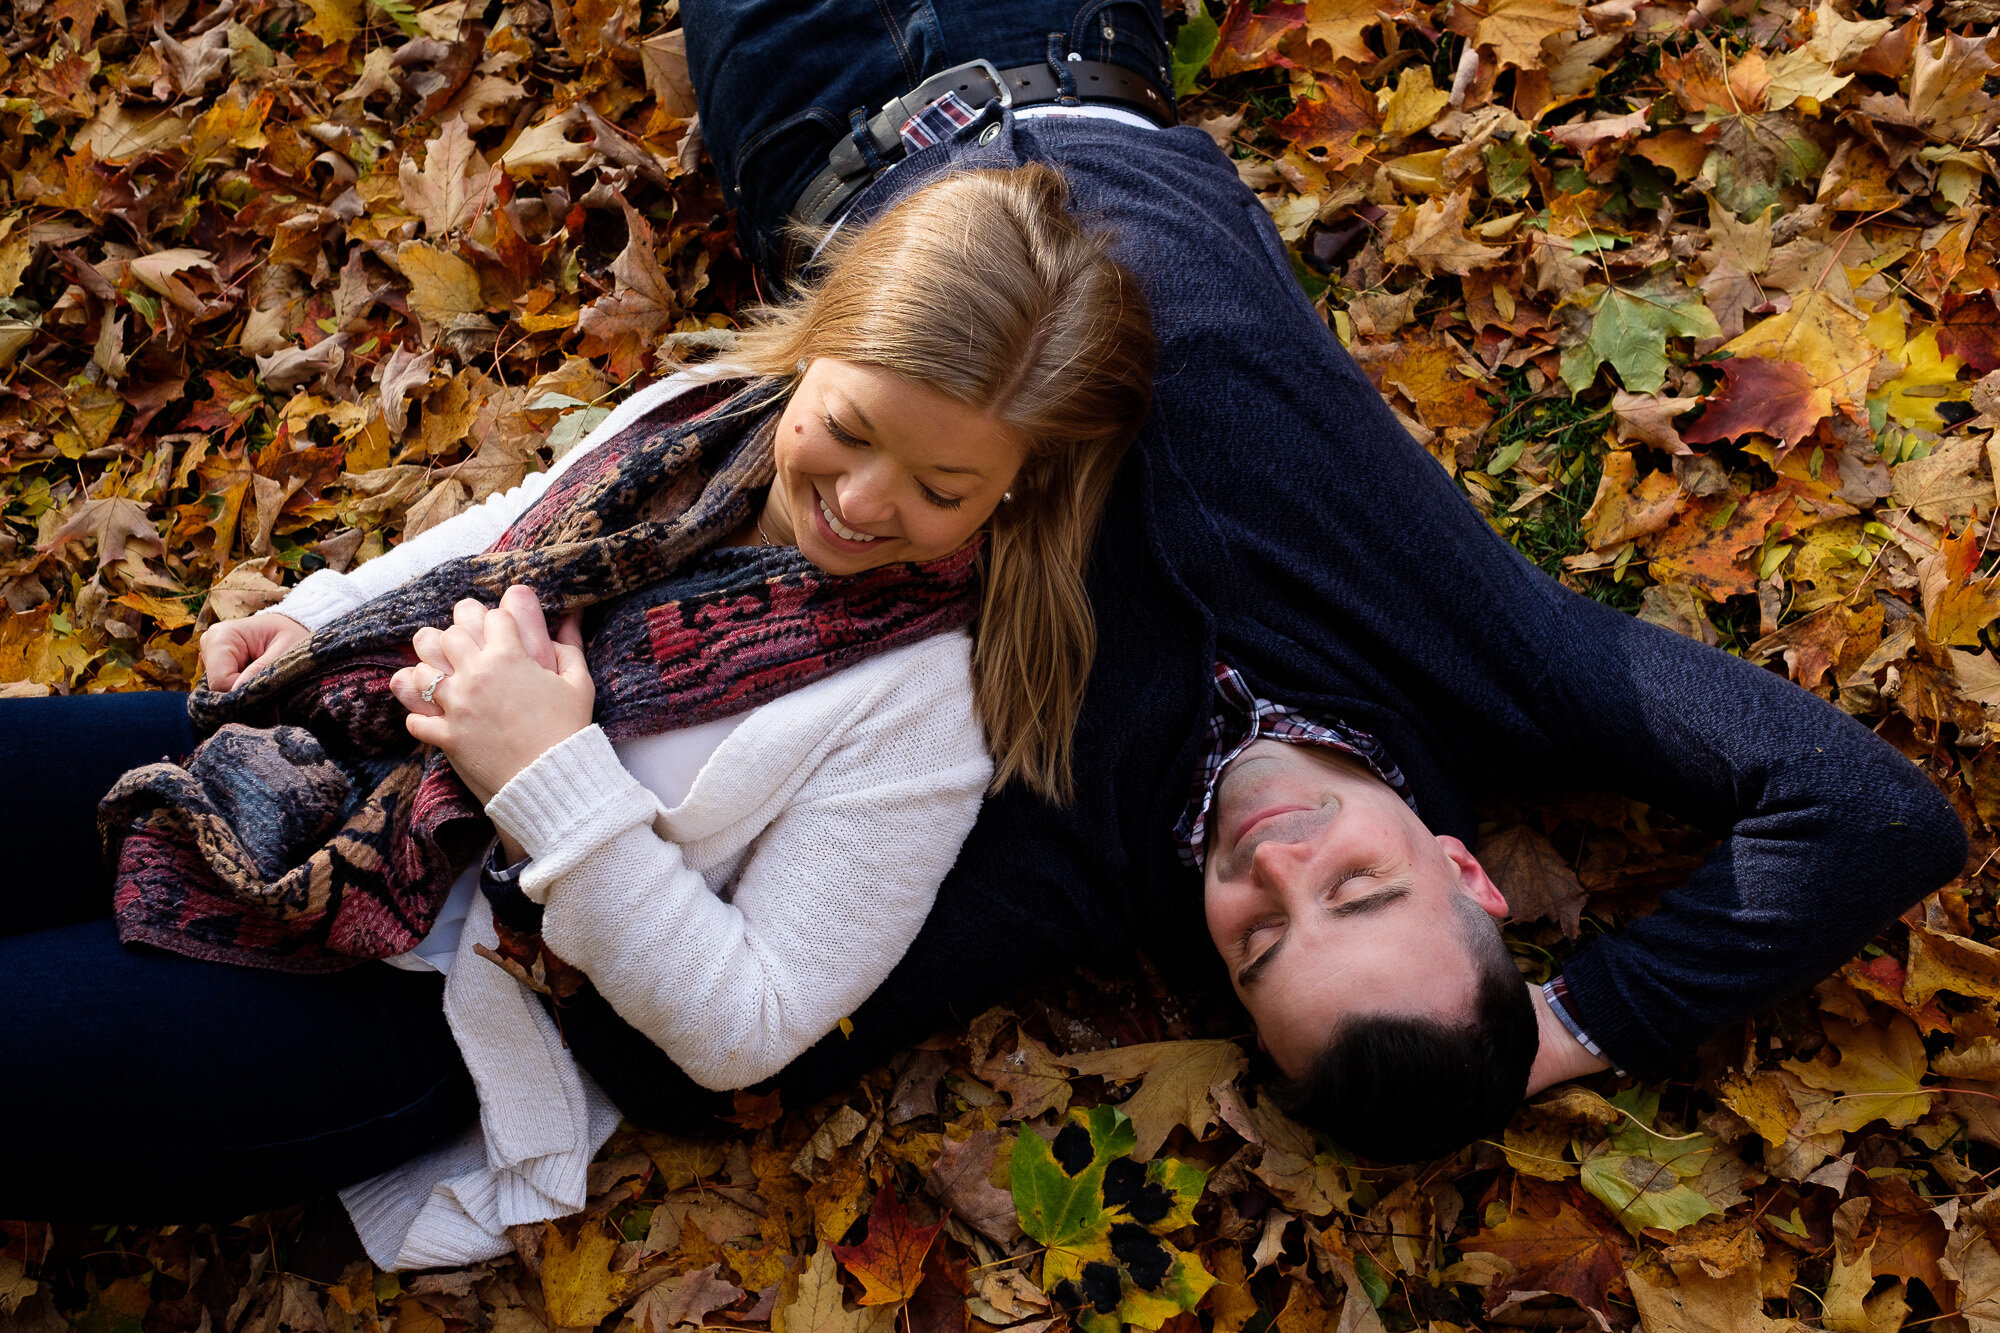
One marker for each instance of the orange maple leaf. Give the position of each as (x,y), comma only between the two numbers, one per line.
(890,1260)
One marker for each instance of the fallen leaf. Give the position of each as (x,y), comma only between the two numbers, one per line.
(1781,399)
(890,1259)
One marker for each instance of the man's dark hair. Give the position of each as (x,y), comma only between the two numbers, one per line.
(1402,1088)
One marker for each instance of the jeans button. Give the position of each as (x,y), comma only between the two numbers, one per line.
(988,135)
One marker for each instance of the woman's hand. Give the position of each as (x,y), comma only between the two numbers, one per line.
(232,651)
(505,692)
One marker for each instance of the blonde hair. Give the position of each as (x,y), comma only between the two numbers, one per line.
(982,287)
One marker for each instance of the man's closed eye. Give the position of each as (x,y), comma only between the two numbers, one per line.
(1386,896)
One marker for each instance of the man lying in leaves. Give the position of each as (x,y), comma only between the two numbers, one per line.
(1314,654)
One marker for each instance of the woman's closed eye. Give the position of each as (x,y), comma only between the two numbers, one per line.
(853,441)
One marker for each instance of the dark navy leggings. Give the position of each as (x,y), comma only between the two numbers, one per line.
(146,1087)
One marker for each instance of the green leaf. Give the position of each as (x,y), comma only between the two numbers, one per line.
(1630,330)
(402,13)
(1193,45)
(1508,168)
(1372,1281)
(1103,1218)
(1059,1188)
(1642,1175)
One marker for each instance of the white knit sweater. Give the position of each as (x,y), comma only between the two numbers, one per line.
(735,928)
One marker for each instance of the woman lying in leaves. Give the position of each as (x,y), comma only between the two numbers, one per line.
(800,598)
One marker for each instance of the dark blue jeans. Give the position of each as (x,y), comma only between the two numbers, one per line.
(147,1087)
(779,82)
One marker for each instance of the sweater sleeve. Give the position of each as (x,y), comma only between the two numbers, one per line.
(325,596)
(733,984)
(1827,833)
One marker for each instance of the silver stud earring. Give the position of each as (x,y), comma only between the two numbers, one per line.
(1006,496)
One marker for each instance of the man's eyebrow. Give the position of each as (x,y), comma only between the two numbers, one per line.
(1387,896)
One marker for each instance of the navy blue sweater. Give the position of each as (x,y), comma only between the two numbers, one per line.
(1274,514)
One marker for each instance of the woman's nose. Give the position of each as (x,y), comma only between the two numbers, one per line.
(863,495)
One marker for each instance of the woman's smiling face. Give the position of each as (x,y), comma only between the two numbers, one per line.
(873,468)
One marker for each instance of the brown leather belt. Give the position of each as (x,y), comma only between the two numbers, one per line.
(848,170)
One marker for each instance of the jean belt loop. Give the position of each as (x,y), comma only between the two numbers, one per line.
(1065,79)
(857,124)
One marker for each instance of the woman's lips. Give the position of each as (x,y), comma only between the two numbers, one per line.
(826,519)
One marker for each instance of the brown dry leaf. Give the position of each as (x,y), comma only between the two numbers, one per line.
(1538,883)
(818,1306)
(1176,1088)
(624,323)
(962,1180)
(1946,486)
(115,526)
(1436,241)
(1691,1301)
(687,1300)
(446,193)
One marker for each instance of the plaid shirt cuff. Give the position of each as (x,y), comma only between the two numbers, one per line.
(1556,992)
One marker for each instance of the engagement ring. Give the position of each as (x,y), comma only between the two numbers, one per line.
(430,690)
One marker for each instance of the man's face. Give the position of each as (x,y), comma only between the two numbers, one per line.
(1327,897)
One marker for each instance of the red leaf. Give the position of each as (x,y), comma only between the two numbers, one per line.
(1250,41)
(1333,123)
(1570,1254)
(890,1262)
(1782,399)
(1971,330)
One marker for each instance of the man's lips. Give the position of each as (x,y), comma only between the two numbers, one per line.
(1257,817)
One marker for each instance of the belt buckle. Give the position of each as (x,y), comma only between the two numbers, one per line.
(991,71)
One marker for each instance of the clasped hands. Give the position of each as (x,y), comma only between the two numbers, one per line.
(502,692)
(505,692)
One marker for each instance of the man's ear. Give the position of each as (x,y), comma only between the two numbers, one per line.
(1473,880)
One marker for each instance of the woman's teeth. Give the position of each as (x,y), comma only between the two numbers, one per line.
(840,529)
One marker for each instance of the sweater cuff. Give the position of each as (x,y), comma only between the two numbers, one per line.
(1592,1000)
(320,599)
(572,800)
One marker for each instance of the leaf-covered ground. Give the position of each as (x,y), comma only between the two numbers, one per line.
(1694,300)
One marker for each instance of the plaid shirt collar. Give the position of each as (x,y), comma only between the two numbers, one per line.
(1241,719)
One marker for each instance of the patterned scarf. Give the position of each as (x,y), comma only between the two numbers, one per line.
(308,833)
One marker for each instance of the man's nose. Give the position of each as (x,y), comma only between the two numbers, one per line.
(1282,866)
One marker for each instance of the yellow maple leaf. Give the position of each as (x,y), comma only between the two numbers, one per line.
(1879,1075)
(336,20)
(578,1285)
(1819,332)
(1515,29)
